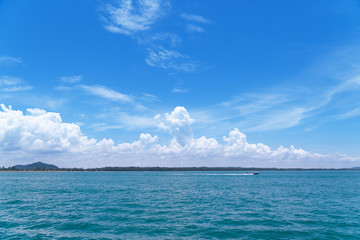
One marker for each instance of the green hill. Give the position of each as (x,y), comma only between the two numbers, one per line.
(36,166)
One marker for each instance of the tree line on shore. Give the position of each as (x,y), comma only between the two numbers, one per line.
(164,169)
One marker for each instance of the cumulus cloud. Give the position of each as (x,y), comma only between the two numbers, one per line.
(38,131)
(179,125)
(40,135)
(129,17)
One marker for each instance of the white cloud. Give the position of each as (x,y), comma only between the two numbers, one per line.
(102,127)
(71,79)
(16,88)
(194,28)
(351,84)
(7,60)
(64,88)
(106,93)
(350,114)
(9,81)
(282,119)
(42,136)
(150,97)
(169,59)
(191,27)
(40,132)
(195,18)
(164,36)
(179,90)
(255,112)
(122,120)
(253,103)
(32,111)
(283,108)
(179,125)
(52,103)
(129,17)
(12,84)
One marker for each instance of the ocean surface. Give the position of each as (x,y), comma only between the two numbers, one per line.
(180,205)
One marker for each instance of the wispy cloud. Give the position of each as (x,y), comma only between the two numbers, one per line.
(170,59)
(17,88)
(71,79)
(195,18)
(353,113)
(254,112)
(193,28)
(54,103)
(129,17)
(132,17)
(117,118)
(64,88)
(12,84)
(279,109)
(253,103)
(103,127)
(106,93)
(149,97)
(179,90)
(9,60)
(328,91)
(280,119)
(164,36)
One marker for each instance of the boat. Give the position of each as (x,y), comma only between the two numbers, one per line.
(251,173)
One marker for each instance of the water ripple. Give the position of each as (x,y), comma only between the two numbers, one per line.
(186,205)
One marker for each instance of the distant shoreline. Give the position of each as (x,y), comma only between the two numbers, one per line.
(176,169)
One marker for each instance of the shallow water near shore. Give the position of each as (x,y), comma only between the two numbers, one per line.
(180,205)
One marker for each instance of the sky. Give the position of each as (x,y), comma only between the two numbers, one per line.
(252,83)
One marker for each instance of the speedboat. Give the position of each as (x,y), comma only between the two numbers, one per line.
(251,173)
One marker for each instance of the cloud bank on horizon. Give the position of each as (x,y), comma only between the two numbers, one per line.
(38,135)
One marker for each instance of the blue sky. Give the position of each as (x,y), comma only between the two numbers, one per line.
(283,73)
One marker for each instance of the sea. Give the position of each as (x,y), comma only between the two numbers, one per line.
(180,205)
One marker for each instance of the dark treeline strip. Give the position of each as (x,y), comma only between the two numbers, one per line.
(164,169)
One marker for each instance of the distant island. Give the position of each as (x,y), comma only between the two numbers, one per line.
(40,166)
(35,166)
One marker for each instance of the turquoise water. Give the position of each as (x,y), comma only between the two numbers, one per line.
(179,205)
